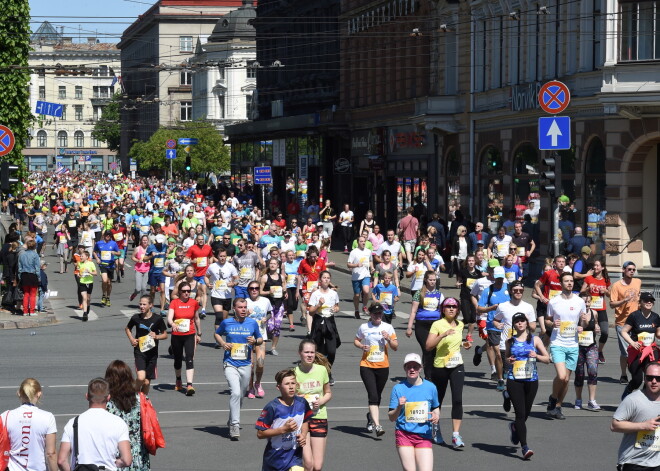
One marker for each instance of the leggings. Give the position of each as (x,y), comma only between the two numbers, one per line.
(291,301)
(181,343)
(454,377)
(422,329)
(636,369)
(604,326)
(275,322)
(522,394)
(587,356)
(141,282)
(29,299)
(347,232)
(374,380)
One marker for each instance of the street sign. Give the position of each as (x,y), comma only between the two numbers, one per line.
(188,141)
(555,133)
(263,176)
(50,109)
(170,154)
(554,97)
(171,143)
(7,140)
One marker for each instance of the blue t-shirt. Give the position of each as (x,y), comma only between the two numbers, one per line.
(392,290)
(498,297)
(158,262)
(282,451)
(104,249)
(269,239)
(429,307)
(236,332)
(520,351)
(425,392)
(291,269)
(144,222)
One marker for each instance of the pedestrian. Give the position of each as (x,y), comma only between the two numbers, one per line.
(587,357)
(624,297)
(328,216)
(323,304)
(408,232)
(360,261)
(346,220)
(29,267)
(32,431)
(261,310)
(459,250)
(95,437)
(43,286)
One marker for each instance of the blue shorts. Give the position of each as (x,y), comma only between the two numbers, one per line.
(358,284)
(156,278)
(566,355)
(199,279)
(122,254)
(241,292)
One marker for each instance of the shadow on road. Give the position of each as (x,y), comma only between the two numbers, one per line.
(357,431)
(496,449)
(215,430)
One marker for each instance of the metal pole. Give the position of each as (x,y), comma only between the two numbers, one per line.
(171,173)
(263,200)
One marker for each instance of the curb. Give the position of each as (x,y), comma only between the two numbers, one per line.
(28,322)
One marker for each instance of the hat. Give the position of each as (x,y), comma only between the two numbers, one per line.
(493,262)
(518,316)
(287,234)
(567,269)
(646,296)
(480,242)
(498,272)
(586,249)
(627,264)
(171,239)
(412,357)
(160,238)
(449,302)
(564,199)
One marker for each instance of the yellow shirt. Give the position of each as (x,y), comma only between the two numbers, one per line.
(448,350)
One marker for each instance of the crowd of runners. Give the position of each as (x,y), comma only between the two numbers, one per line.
(199,253)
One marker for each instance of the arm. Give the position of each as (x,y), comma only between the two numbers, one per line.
(51,452)
(289,426)
(131,339)
(542,354)
(625,333)
(411,319)
(262,284)
(539,293)
(625,426)
(125,458)
(63,459)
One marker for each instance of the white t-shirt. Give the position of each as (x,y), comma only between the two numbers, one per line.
(501,247)
(568,311)
(394,249)
(345,218)
(330,299)
(291,245)
(219,276)
(419,270)
(39,423)
(363,257)
(477,288)
(504,314)
(258,310)
(99,433)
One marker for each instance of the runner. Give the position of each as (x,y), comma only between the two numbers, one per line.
(587,357)
(293,294)
(155,254)
(346,220)
(221,277)
(87,271)
(375,339)
(149,329)
(105,253)
(273,285)
(467,275)
(246,262)
(323,304)
(141,268)
(119,234)
(418,270)
(259,309)
(309,271)
(598,286)
(546,288)
(387,294)
(360,261)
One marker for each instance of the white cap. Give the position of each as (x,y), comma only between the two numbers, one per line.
(160,239)
(413,357)
(567,269)
(498,272)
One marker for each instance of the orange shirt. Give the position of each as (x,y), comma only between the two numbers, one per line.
(620,291)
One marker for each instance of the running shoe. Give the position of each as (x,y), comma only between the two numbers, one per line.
(623,379)
(457,441)
(259,390)
(593,405)
(476,359)
(601,358)
(291,328)
(507,401)
(302,320)
(80,306)
(274,352)
(357,314)
(365,310)
(190,391)
(132,297)
(370,423)
(250,393)
(556,413)
(234,432)
(202,314)
(85,318)
(468,338)
(436,434)
(107,302)
(578,404)
(493,376)
(526,453)
(178,386)
(379,431)
(514,435)
(501,386)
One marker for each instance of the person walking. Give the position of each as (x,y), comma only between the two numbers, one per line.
(29,266)
(624,299)
(323,304)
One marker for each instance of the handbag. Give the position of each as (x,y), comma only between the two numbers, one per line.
(18,294)
(80,467)
(8,299)
(152,435)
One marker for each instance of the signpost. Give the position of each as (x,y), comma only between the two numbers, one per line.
(171,143)
(263,176)
(7,140)
(170,154)
(555,133)
(554,97)
(188,141)
(49,109)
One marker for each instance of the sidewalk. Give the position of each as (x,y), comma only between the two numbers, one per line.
(9,321)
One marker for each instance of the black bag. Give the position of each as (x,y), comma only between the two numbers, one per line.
(8,297)
(18,294)
(81,467)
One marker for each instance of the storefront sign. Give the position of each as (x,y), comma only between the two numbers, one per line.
(525,97)
(64,151)
(303,166)
(367,142)
(408,140)
(342,165)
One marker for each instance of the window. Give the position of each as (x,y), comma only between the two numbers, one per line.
(251,70)
(41,138)
(61,91)
(79,139)
(186,111)
(103,71)
(95,142)
(97,113)
(640,22)
(186,43)
(185,78)
(63,117)
(62,139)
(42,92)
(221,106)
(102,92)
(248,104)
(79,112)
(79,94)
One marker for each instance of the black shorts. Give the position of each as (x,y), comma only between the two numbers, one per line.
(494,338)
(147,362)
(85,288)
(225,303)
(109,271)
(541,309)
(318,428)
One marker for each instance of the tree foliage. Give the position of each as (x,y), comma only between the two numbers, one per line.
(108,128)
(14,83)
(211,154)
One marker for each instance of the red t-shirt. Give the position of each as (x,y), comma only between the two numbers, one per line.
(309,272)
(597,298)
(281,223)
(550,282)
(119,236)
(184,311)
(199,256)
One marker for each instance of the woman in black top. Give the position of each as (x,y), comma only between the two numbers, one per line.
(466,277)
(273,285)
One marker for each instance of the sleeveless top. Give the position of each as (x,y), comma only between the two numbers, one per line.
(429,307)
(524,367)
(275,302)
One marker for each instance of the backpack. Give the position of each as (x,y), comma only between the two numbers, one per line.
(5,446)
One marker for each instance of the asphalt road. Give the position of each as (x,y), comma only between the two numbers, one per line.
(65,356)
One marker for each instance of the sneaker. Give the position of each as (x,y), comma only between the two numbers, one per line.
(357,314)
(435,433)
(623,379)
(291,328)
(178,386)
(234,432)
(365,310)
(500,385)
(331,382)
(593,405)
(457,441)
(107,302)
(132,297)
(190,391)
(557,414)
(493,376)
(250,393)
(79,306)
(379,430)
(468,338)
(552,403)
(601,358)
(259,390)
(578,404)
(202,315)
(507,401)
(476,359)
(303,321)
(514,435)
(370,423)
(526,453)
(85,317)
(274,352)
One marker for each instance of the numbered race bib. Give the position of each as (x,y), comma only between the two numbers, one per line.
(220,285)
(311,399)
(245,272)
(182,325)
(419,275)
(239,351)
(326,310)
(144,229)
(430,304)
(202,261)
(597,303)
(159,262)
(375,355)
(585,338)
(453,360)
(501,248)
(312,285)
(646,338)
(648,440)
(146,343)
(300,253)
(118,236)
(553,292)
(510,276)
(385,298)
(63,239)
(106,255)
(19,205)
(523,369)
(72,223)
(364,261)
(276,291)
(567,329)
(470,282)
(520,251)
(417,412)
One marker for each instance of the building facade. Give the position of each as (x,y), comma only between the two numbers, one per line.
(82,77)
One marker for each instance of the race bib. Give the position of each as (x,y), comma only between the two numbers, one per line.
(553,292)
(19,205)
(312,285)
(326,310)
(510,276)
(220,285)
(311,399)
(646,338)
(567,329)
(159,262)
(364,261)
(300,253)
(63,239)
(417,412)
(520,251)
(144,229)
(182,325)
(648,440)
(419,274)
(375,355)
(146,343)
(470,282)
(72,223)
(239,351)
(430,304)
(202,261)
(385,298)
(118,236)
(585,338)
(501,248)
(106,255)
(597,303)
(276,291)
(291,279)
(453,360)
(245,272)
(523,369)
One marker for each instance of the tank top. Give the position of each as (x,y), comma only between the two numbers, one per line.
(524,367)
(429,307)
(587,338)
(270,282)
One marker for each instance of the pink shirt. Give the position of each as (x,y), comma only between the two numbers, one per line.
(409,226)
(141,267)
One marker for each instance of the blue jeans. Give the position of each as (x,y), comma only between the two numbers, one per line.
(40,300)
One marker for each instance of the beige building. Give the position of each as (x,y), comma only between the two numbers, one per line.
(154,52)
(82,77)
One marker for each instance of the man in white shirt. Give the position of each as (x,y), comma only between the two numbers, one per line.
(360,261)
(393,246)
(100,434)
(222,277)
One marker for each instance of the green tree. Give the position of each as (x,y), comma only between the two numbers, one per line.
(14,77)
(211,154)
(108,128)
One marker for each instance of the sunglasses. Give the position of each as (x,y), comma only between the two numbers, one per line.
(517,290)
(252,288)
(451,306)
(185,291)
(650,378)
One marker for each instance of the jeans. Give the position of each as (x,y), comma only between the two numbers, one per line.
(238,378)
(40,300)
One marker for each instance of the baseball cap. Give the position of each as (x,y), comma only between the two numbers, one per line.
(498,272)
(628,263)
(160,238)
(492,263)
(518,316)
(412,357)
(586,249)
(564,199)
(646,296)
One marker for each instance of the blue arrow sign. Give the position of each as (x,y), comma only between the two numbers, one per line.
(49,109)
(188,141)
(170,154)
(263,176)
(555,133)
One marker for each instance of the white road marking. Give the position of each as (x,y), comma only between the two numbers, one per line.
(91,317)
(129,312)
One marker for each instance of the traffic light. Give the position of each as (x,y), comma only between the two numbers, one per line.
(552,176)
(188,162)
(8,175)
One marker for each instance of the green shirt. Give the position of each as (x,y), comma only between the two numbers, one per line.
(310,385)
(86,269)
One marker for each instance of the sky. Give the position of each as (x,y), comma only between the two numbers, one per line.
(104,19)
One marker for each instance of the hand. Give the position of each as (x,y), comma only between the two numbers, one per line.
(533,354)
(316,405)
(301,440)
(557,323)
(402,401)
(134,342)
(435,417)
(251,340)
(512,359)
(290,426)
(385,335)
(636,345)
(449,332)
(408,332)
(579,329)
(366,348)
(650,424)
(197,339)
(321,301)
(227,346)
(152,335)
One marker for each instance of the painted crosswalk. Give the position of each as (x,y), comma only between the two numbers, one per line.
(91,317)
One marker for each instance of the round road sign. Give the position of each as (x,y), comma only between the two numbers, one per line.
(7,140)
(171,143)
(554,97)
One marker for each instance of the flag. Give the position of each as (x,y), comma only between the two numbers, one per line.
(62,171)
